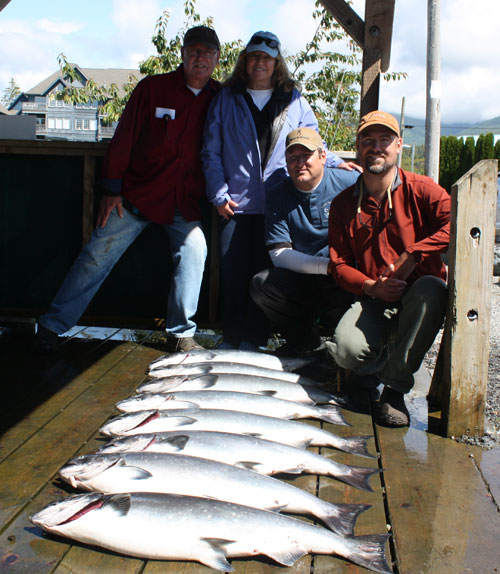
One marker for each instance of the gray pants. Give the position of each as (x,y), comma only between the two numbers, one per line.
(390,340)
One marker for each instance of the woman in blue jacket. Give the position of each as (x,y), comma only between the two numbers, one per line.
(243,155)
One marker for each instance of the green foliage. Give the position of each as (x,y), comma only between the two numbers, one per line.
(330,80)
(10,93)
(457,156)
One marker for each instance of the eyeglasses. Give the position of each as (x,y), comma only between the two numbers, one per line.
(192,53)
(267,41)
(386,220)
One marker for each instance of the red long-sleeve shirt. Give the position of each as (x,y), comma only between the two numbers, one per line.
(419,224)
(154,163)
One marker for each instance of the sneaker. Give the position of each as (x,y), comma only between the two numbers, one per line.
(392,411)
(46,341)
(182,345)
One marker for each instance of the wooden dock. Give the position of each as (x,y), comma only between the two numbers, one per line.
(439,499)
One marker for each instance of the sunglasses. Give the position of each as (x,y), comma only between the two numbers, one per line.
(267,41)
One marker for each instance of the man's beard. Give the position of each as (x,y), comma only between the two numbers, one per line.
(379,167)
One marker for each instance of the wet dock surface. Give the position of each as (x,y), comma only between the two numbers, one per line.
(439,499)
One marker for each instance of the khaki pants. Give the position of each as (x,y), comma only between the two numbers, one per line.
(390,340)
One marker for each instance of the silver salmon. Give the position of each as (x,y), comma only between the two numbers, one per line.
(231,401)
(220,367)
(172,527)
(291,391)
(195,476)
(294,433)
(264,456)
(233,356)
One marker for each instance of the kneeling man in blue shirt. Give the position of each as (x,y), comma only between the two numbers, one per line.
(297,293)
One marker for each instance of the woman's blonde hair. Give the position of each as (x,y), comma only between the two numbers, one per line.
(281,77)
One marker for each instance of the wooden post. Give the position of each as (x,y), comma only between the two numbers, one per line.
(88,193)
(374,37)
(433,100)
(463,372)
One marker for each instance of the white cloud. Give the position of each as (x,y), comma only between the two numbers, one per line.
(58,27)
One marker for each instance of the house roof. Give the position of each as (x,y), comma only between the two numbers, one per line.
(5,112)
(101,76)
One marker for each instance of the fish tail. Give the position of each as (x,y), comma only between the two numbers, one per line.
(369,551)
(341,518)
(354,445)
(331,414)
(358,476)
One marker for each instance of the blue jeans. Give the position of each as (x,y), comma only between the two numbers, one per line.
(106,246)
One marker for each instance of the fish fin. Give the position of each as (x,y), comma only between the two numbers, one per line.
(177,442)
(254,434)
(248,465)
(120,503)
(358,476)
(287,557)
(135,473)
(265,393)
(207,380)
(356,445)
(331,414)
(343,517)
(217,555)
(277,508)
(369,551)
(180,421)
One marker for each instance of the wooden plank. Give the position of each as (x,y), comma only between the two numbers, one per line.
(442,516)
(40,457)
(373,521)
(464,373)
(46,147)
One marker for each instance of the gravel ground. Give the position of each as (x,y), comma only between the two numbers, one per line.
(492,433)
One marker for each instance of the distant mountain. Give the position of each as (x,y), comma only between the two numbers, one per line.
(414,129)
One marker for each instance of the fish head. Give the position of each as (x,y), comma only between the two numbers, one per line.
(143,401)
(162,384)
(133,443)
(60,512)
(80,470)
(126,423)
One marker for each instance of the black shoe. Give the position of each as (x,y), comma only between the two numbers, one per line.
(46,342)
(392,411)
(182,345)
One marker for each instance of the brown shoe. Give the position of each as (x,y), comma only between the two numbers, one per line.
(182,345)
(393,411)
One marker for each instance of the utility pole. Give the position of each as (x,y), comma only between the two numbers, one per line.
(433,112)
(401,127)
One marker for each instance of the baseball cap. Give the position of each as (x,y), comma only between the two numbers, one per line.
(264,42)
(202,34)
(378,118)
(308,137)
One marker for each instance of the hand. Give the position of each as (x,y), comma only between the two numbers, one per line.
(349,166)
(386,287)
(226,210)
(108,203)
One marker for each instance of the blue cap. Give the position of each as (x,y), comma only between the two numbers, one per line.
(264,42)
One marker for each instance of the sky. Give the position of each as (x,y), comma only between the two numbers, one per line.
(117,34)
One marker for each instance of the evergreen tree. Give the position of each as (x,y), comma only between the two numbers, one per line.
(488,146)
(496,152)
(467,157)
(10,93)
(478,155)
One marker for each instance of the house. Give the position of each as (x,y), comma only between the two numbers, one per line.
(56,119)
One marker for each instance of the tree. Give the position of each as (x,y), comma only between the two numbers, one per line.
(467,155)
(10,93)
(330,80)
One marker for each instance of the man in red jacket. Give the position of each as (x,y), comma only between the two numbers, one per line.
(386,234)
(152,173)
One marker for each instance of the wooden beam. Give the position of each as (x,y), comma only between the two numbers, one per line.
(464,351)
(3,3)
(379,16)
(348,19)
